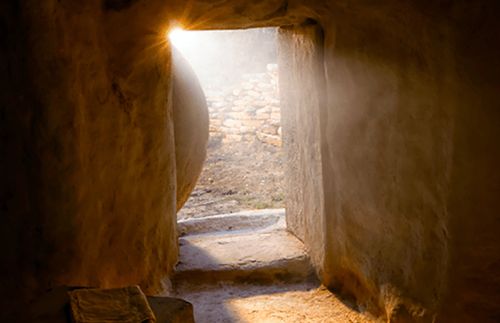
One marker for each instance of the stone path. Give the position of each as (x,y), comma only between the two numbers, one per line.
(245,267)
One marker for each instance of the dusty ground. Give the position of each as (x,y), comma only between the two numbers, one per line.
(290,303)
(255,272)
(237,176)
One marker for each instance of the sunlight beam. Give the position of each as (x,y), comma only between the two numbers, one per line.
(181,39)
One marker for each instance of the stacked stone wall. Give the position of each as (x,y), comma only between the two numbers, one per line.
(247,111)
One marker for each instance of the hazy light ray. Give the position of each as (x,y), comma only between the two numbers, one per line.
(186,12)
(202,22)
(189,22)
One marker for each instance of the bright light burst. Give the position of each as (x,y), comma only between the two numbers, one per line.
(182,39)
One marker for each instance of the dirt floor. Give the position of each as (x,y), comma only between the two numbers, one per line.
(248,269)
(237,176)
(295,303)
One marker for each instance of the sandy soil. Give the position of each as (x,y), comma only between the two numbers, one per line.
(305,302)
(236,177)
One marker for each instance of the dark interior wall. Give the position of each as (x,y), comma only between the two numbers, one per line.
(88,163)
(17,163)
(474,226)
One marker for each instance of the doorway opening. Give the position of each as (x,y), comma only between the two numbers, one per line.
(237,260)
(238,73)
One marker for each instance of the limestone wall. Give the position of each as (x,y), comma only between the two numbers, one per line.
(401,211)
(386,157)
(88,191)
(247,111)
(300,57)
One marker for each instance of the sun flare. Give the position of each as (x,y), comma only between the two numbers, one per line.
(181,38)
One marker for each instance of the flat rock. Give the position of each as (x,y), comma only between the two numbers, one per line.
(54,307)
(128,304)
(244,220)
(268,253)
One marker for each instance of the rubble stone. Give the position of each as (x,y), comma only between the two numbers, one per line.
(249,110)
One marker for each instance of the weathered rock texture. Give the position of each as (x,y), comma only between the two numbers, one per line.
(87,146)
(393,155)
(190,127)
(247,111)
(127,304)
(303,101)
(408,146)
(253,250)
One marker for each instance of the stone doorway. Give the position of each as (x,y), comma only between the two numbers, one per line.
(237,260)
(238,72)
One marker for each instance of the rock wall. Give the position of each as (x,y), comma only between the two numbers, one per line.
(247,111)
(400,212)
(386,160)
(474,180)
(300,59)
(88,162)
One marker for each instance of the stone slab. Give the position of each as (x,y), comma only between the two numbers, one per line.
(128,304)
(270,253)
(54,307)
(245,220)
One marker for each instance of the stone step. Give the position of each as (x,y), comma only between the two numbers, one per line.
(245,220)
(246,267)
(264,253)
